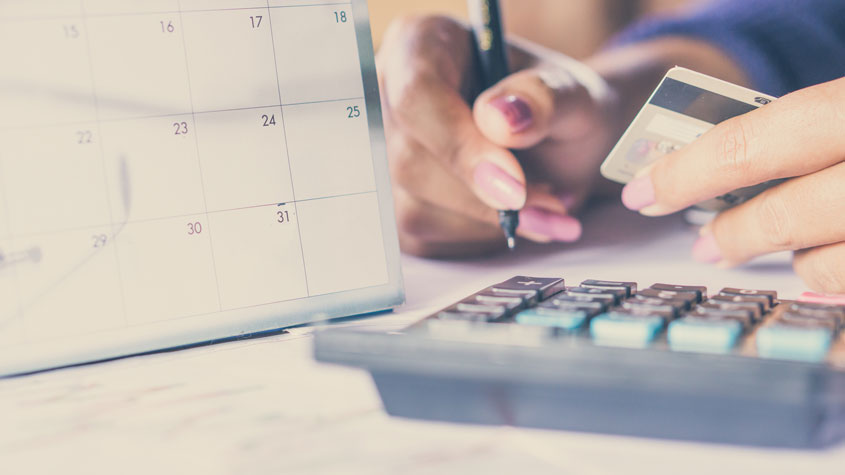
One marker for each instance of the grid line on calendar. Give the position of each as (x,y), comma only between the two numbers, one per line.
(180,114)
(174,12)
(199,158)
(156,179)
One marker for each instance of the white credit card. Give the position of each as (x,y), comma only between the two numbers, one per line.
(684,106)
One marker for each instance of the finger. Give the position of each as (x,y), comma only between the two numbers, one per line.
(796,135)
(415,170)
(528,107)
(429,223)
(822,268)
(421,85)
(802,213)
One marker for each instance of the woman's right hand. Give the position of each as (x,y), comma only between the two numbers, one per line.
(451,162)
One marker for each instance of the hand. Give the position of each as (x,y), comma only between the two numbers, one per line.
(451,163)
(801,135)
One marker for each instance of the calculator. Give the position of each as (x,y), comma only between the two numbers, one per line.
(738,366)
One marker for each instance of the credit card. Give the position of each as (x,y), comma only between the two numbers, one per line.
(684,106)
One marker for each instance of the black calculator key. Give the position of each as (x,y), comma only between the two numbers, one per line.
(473,312)
(666,314)
(770,294)
(689,299)
(657,305)
(699,291)
(751,308)
(607,299)
(630,288)
(510,303)
(829,321)
(760,300)
(592,308)
(534,289)
(818,309)
(717,314)
(678,305)
(618,294)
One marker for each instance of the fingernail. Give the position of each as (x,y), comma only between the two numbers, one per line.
(554,226)
(568,200)
(639,193)
(516,111)
(706,250)
(502,188)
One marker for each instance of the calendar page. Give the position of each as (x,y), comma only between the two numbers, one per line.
(178,171)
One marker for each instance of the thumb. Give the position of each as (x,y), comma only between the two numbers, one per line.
(530,106)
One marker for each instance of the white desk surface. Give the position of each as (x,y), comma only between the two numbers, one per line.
(265,406)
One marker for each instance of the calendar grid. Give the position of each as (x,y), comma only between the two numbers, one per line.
(199,158)
(287,149)
(113,244)
(213,179)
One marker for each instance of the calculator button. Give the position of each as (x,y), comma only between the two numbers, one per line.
(569,320)
(536,288)
(829,321)
(700,292)
(678,305)
(688,298)
(510,303)
(810,309)
(622,329)
(650,306)
(751,308)
(592,308)
(793,343)
(770,294)
(642,310)
(473,312)
(617,294)
(630,288)
(704,335)
(717,314)
(606,301)
(761,301)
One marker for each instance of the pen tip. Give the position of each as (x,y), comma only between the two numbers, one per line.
(511,243)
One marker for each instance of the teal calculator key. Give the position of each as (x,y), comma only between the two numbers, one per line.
(794,343)
(704,335)
(569,320)
(620,329)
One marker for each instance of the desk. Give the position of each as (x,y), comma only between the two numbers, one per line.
(265,406)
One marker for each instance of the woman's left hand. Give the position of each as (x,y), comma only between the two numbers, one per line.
(801,135)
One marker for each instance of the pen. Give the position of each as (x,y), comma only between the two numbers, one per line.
(486,19)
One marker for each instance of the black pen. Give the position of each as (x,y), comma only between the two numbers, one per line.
(486,19)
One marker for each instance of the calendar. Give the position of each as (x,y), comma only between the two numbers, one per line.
(178,171)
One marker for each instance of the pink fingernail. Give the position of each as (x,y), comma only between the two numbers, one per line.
(554,226)
(706,250)
(825,299)
(639,193)
(499,186)
(516,111)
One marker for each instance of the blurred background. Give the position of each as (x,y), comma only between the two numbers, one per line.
(575,27)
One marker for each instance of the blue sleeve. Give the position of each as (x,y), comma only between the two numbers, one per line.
(783,45)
